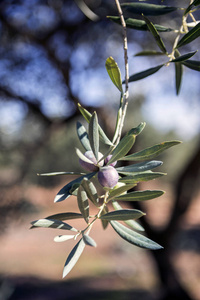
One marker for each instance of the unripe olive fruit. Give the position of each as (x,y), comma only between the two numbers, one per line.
(108,176)
(91,166)
(107,160)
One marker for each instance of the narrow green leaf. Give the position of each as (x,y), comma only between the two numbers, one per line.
(194,3)
(83,157)
(178,76)
(144,74)
(137,130)
(63,238)
(132,223)
(94,134)
(193,34)
(89,241)
(122,148)
(143,176)
(148,9)
(192,64)
(61,173)
(65,193)
(91,191)
(83,203)
(149,53)
(83,136)
(155,34)
(119,117)
(184,57)
(65,216)
(87,115)
(47,223)
(118,191)
(150,152)
(123,215)
(133,237)
(114,73)
(140,195)
(73,257)
(139,167)
(104,222)
(138,24)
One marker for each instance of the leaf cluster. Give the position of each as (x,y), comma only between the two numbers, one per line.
(183,36)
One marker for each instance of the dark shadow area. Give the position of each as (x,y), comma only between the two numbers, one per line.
(18,288)
(188,240)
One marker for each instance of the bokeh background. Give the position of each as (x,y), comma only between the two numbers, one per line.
(52,56)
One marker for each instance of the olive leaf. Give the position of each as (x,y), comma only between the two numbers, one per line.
(155,34)
(193,34)
(143,176)
(138,24)
(83,203)
(49,223)
(66,191)
(139,167)
(65,216)
(73,257)
(140,195)
(114,73)
(134,237)
(83,136)
(148,9)
(192,64)
(123,215)
(144,74)
(89,241)
(91,190)
(178,76)
(184,57)
(94,134)
(87,115)
(150,152)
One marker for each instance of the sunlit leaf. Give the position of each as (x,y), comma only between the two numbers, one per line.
(83,157)
(148,9)
(65,193)
(47,223)
(143,176)
(123,215)
(137,130)
(118,191)
(94,134)
(65,216)
(117,127)
(122,148)
(192,64)
(83,136)
(138,24)
(139,167)
(144,74)
(155,34)
(132,223)
(73,257)
(90,190)
(87,115)
(140,195)
(134,237)
(83,203)
(193,34)
(184,57)
(150,152)
(60,173)
(114,73)
(89,241)
(63,238)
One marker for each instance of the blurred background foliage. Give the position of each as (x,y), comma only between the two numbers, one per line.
(52,56)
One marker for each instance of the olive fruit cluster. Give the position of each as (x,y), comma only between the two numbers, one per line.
(107,174)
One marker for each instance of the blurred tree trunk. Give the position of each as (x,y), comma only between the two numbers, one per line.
(185,189)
